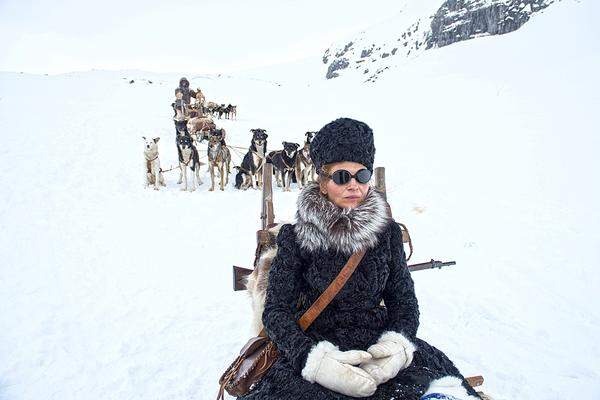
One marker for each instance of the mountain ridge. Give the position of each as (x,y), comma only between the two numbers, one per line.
(426,25)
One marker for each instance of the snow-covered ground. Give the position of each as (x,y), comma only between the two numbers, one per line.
(109,290)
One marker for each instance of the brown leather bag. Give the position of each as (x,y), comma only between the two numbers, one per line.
(260,353)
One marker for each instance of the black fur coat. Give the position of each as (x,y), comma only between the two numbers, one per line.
(310,255)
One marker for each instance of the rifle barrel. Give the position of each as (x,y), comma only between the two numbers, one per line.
(430,265)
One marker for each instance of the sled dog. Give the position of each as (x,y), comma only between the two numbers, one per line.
(154,175)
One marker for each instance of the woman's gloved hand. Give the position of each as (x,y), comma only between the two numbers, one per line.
(336,370)
(392,353)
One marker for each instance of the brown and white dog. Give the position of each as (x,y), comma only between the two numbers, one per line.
(200,99)
(154,175)
(210,108)
(219,157)
(305,169)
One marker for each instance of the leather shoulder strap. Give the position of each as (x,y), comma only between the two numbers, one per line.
(329,294)
(332,290)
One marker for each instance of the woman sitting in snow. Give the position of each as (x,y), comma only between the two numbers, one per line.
(356,347)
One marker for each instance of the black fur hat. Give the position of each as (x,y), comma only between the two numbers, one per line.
(344,139)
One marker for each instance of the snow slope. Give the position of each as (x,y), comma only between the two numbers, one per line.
(112,291)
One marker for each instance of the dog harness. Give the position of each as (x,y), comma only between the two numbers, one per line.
(149,165)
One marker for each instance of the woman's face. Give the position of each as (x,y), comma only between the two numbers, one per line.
(349,195)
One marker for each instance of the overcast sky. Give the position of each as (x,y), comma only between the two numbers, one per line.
(201,36)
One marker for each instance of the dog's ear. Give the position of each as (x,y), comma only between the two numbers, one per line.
(156,139)
(297,145)
(144,137)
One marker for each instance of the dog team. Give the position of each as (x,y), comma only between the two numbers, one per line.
(291,164)
(193,125)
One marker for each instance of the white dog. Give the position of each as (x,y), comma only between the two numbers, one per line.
(154,175)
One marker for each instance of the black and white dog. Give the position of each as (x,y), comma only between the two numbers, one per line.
(222,109)
(188,157)
(253,161)
(154,175)
(244,177)
(181,129)
(284,164)
(231,112)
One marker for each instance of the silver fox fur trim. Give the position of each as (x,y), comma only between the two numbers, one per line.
(323,225)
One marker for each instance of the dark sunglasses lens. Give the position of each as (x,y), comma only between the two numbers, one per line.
(341,177)
(363,176)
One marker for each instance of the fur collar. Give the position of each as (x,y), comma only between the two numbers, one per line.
(323,225)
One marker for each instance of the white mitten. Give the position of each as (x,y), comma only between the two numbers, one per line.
(392,353)
(335,370)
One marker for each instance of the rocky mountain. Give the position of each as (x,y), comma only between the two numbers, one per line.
(425,24)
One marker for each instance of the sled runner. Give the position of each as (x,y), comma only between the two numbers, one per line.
(245,278)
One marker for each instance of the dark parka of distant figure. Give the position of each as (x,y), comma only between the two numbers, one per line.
(357,347)
(188,93)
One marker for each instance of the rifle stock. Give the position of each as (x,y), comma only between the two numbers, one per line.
(267,215)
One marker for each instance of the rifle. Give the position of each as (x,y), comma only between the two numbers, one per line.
(267,217)
(240,273)
(430,265)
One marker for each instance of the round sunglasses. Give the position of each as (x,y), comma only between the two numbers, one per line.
(342,177)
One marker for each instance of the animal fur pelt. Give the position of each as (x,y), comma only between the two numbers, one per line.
(200,126)
(257,281)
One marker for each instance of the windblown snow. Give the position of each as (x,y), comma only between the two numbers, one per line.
(109,290)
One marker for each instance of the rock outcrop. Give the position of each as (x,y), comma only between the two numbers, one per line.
(437,26)
(459,20)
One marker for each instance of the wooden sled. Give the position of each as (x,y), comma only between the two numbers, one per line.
(265,240)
